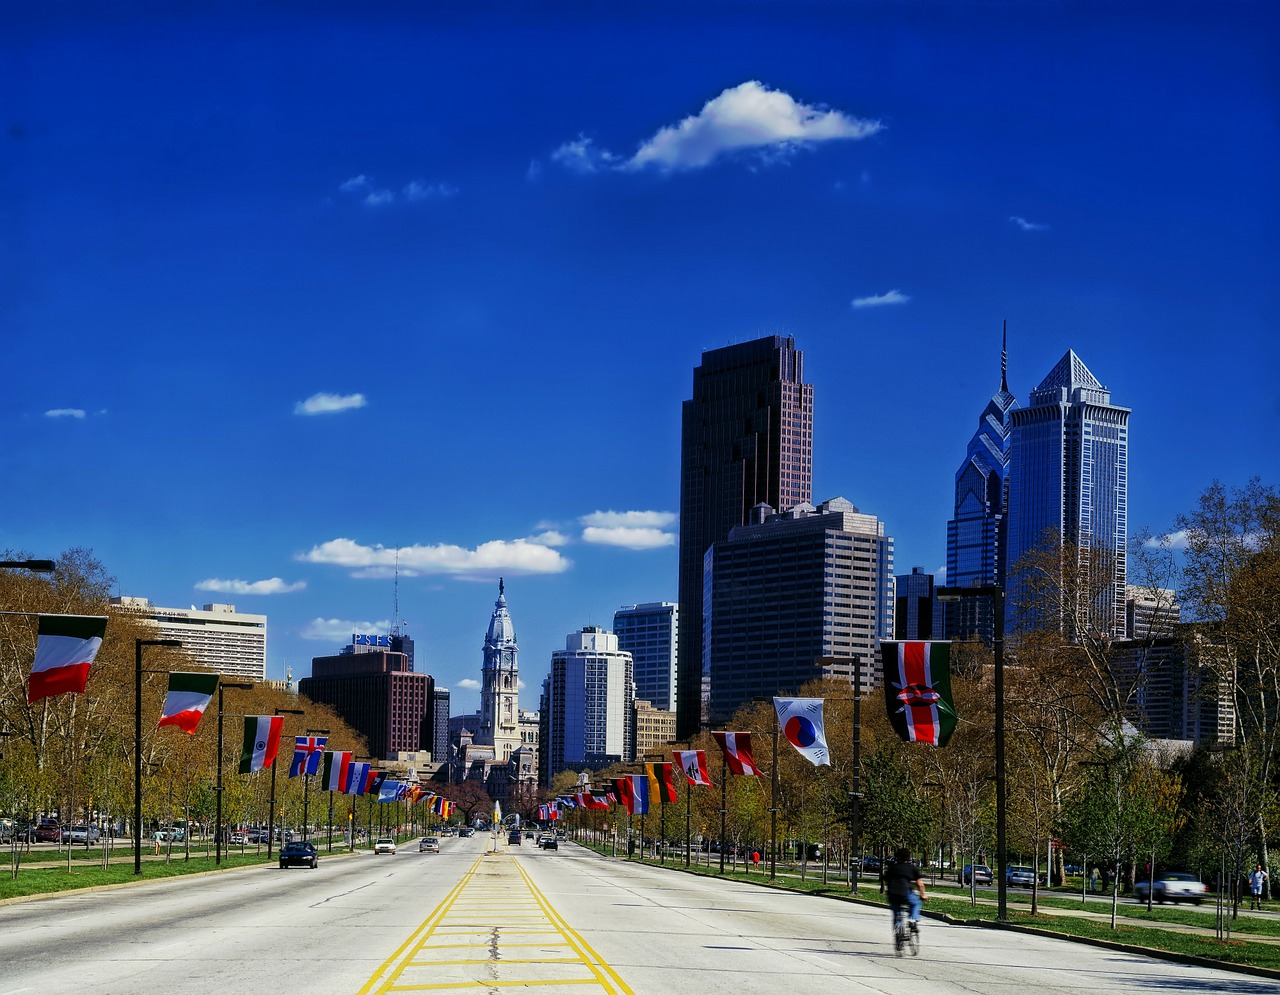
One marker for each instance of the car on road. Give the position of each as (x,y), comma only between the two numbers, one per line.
(1018,876)
(548,842)
(1172,886)
(48,831)
(429,844)
(466,832)
(976,874)
(384,844)
(300,852)
(513,837)
(81,834)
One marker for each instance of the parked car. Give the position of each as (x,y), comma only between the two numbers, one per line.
(1172,886)
(429,844)
(48,831)
(384,844)
(300,852)
(976,874)
(81,834)
(513,837)
(1023,877)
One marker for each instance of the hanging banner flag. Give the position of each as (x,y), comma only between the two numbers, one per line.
(65,648)
(567,801)
(337,766)
(189,695)
(598,801)
(694,765)
(391,791)
(917,691)
(622,791)
(639,793)
(662,786)
(261,741)
(800,720)
(357,778)
(737,753)
(307,751)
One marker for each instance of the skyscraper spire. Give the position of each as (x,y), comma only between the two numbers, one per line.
(1004,359)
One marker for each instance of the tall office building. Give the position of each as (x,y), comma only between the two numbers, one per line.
(439,738)
(915,613)
(587,704)
(217,637)
(793,597)
(977,535)
(1069,484)
(378,696)
(746,439)
(650,633)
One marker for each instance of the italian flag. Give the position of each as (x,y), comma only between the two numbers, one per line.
(189,695)
(65,648)
(261,741)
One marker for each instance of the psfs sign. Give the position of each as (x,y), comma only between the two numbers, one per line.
(368,639)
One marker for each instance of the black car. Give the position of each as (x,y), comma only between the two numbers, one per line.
(548,842)
(300,852)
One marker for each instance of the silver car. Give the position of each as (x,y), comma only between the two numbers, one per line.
(1172,886)
(1022,877)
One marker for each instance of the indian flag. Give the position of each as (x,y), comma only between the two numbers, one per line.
(65,648)
(261,741)
(189,695)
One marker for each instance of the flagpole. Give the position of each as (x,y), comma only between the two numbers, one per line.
(724,800)
(306,782)
(855,796)
(688,817)
(773,804)
(271,805)
(217,821)
(137,743)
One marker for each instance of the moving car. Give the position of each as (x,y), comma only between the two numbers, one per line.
(466,831)
(979,873)
(548,842)
(384,844)
(1023,877)
(1172,886)
(429,844)
(513,837)
(300,852)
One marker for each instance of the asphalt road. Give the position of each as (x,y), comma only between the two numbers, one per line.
(468,920)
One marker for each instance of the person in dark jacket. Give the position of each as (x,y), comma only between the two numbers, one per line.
(905,887)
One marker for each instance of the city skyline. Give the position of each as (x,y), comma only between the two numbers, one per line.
(287,292)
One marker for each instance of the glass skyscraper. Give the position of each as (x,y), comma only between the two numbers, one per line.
(1069,484)
(649,632)
(746,439)
(976,536)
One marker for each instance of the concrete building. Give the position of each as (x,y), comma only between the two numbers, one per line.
(746,439)
(587,702)
(793,597)
(915,611)
(1069,484)
(217,637)
(654,729)
(650,632)
(377,695)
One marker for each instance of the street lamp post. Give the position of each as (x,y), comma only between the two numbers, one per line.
(306,787)
(217,818)
(35,566)
(137,744)
(271,805)
(997,595)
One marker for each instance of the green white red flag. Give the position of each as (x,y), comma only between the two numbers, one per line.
(189,695)
(65,648)
(261,742)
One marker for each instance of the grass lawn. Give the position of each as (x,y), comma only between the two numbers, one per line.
(50,880)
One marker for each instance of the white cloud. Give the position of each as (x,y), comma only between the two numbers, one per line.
(1174,540)
(747,116)
(550,537)
(274,585)
(628,538)
(64,413)
(340,629)
(584,156)
(324,404)
(630,519)
(509,556)
(470,683)
(880,300)
(416,191)
(1026,225)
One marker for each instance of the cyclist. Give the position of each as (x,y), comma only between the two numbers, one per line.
(905,887)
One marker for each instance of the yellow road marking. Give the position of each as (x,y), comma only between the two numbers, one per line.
(462,913)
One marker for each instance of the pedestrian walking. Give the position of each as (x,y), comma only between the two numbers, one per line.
(1257,881)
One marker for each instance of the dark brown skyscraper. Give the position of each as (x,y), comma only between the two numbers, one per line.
(747,439)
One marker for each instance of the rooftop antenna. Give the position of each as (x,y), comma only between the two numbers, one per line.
(395,603)
(1004,359)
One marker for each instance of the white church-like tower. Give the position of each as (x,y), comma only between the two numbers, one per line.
(500,685)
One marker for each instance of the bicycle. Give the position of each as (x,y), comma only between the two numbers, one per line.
(906,934)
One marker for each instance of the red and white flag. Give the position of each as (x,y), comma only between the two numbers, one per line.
(737,753)
(189,695)
(694,765)
(65,648)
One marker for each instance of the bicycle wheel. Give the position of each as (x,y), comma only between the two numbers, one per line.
(912,934)
(899,938)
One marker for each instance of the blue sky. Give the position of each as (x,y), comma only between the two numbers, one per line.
(285,287)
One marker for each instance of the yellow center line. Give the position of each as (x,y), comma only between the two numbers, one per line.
(458,915)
